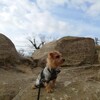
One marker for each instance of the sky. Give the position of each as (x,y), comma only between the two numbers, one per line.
(20,19)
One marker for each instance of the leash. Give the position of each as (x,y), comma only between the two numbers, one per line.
(40,85)
(38,97)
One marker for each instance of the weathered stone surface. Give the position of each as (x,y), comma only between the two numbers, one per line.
(75,83)
(76,50)
(12,81)
(8,51)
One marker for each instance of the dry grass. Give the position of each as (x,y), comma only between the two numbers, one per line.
(98,47)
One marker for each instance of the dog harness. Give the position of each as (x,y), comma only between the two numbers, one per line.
(46,75)
(53,75)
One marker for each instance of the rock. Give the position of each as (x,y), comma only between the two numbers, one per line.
(30,94)
(76,85)
(8,53)
(66,83)
(67,87)
(75,91)
(76,51)
(7,96)
(11,82)
(28,61)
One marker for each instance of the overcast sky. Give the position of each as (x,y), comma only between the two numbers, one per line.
(57,18)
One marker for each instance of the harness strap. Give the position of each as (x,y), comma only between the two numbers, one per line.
(53,75)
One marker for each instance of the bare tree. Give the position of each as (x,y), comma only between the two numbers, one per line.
(38,40)
(96,41)
(35,42)
(21,52)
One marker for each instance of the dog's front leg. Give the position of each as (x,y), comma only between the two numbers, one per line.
(48,87)
(53,83)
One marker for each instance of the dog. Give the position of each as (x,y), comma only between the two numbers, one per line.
(48,76)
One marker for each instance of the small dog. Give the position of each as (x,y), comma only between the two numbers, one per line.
(47,77)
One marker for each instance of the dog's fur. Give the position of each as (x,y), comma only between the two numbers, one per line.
(54,61)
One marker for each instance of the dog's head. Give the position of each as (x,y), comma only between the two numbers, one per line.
(55,59)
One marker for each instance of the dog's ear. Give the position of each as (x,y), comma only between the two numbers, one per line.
(51,54)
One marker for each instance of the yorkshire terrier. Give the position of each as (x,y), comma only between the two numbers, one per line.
(48,76)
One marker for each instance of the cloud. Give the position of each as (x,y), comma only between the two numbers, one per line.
(19,18)
(89,7)
(23,16)
(94,9)
(49,4)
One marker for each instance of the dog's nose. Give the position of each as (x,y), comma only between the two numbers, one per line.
(63,60)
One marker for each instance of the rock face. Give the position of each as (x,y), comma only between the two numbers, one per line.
(8,52)
(77,83)
(76,50)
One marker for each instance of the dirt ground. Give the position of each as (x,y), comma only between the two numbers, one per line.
(73,83)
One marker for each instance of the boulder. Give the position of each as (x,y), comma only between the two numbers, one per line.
(74,91)
(8,52)
(75,83)
(75,50)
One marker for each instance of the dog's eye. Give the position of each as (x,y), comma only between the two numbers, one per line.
(57,56)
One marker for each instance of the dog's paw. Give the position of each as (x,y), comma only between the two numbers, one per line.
(34,87)
(50,90)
